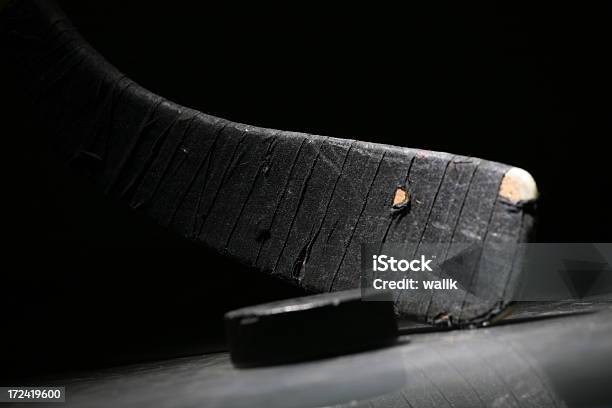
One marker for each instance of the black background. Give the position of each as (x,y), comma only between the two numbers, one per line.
(524,84)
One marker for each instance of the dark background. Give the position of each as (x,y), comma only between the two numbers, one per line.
(94,284)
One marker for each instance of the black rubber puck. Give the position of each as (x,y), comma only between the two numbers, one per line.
(308,328)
